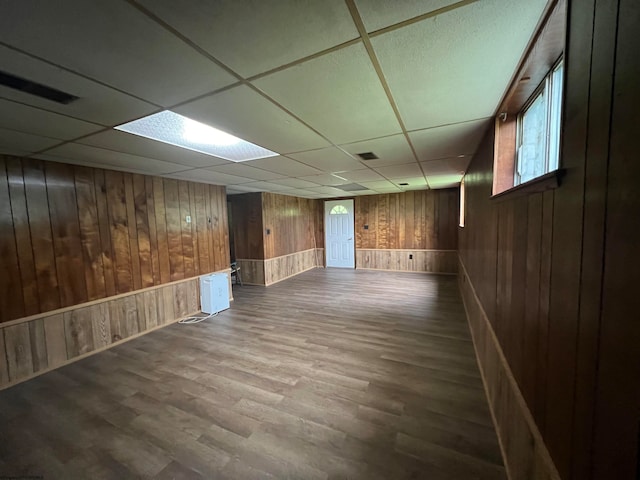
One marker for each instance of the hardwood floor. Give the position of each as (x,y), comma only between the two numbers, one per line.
(333,374)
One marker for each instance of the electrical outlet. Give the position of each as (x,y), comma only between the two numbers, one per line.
(188,218)
(410,256)
(366,227)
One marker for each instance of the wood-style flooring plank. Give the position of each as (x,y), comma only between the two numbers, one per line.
(331,374)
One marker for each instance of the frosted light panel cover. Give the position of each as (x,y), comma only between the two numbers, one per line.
(174,129)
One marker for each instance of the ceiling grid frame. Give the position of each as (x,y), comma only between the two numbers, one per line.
(364,37)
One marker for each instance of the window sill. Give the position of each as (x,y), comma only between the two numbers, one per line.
(548,181)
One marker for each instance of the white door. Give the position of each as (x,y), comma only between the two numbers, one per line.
(338,221)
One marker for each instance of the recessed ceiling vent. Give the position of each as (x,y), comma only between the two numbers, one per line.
(37,89)
(352,187)
(403,184)
(367,156)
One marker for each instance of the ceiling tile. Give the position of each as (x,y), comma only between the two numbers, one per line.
(377,14)
(115,160)
(328,191)
(379,184)
(338,94)
(113,42)
(362,176)
(246,171)
(449,166)
(294,183)
(302,193)
(328,159)
(389,150)
(267,187)
(444,181)
(245,113)
(449,140)
(245,188)
(325,179)
(145,147)
(388,190)
(252,37)
(456,66)
(40,122)
(400,171)
(12,141)
(96,102)
(209,176)
(284,166)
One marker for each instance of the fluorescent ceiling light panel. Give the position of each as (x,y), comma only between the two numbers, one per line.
(174,129)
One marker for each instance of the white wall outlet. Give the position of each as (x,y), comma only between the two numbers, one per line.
(188,218)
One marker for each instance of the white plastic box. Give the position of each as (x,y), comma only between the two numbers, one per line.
(214,293)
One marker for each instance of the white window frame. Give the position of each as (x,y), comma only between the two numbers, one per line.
(551,149)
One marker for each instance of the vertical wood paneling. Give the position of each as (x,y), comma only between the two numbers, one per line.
(100,325)
(73,234)
(46,341)
(78,328)
(133,232)
(579,362)
(119,228)
(63,210)
(247,225)
(38,345)
(202,228)
(174,229)
(55,339)
(41,235)
(421,219)
(617,428)
(22,236)
(18,349)
(11,298)
(185,228)
(106,253)
(142,228)
(153,231)
(90,233)
(193,209)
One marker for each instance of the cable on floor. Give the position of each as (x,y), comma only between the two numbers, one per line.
(192,320)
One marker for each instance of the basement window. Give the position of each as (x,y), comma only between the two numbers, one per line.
(538,127)
(528,124)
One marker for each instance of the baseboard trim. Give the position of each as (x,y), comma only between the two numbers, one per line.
(523,449)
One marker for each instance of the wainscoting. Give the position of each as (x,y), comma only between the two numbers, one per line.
(273,270)
(523,449)
(34,345)
(430,261)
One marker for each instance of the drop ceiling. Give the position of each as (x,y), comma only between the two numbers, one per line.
(415,82)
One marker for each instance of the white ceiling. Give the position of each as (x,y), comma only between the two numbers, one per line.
(416,82)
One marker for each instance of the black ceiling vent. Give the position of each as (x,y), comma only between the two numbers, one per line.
(352,187)
(403,184)
(367,156)
(34,88)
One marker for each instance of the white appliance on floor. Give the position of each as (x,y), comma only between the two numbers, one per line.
(214,293)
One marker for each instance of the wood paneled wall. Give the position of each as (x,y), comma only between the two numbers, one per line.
(71,234)
(556,272)
(247,225)
(413,231)
(420,219)
(295,223)
(37,344)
